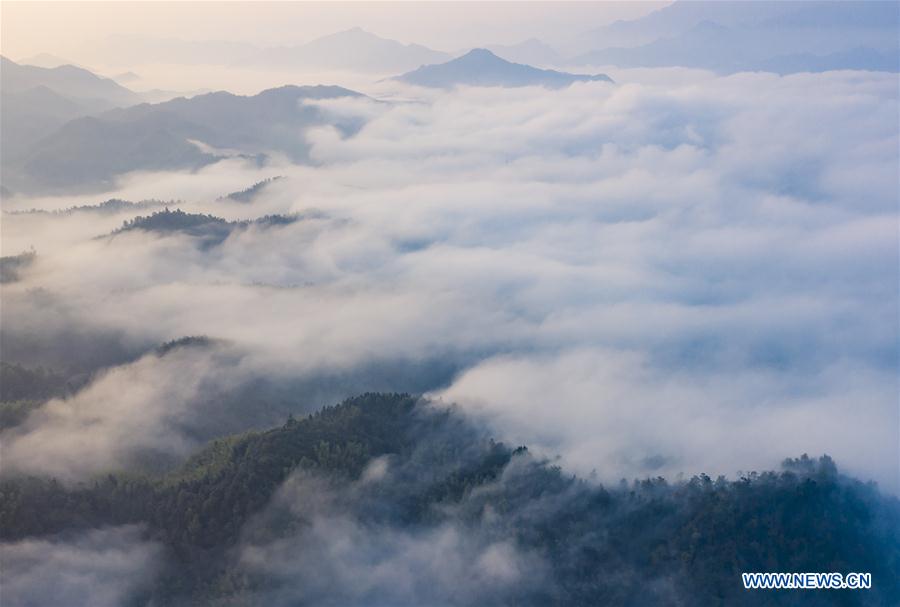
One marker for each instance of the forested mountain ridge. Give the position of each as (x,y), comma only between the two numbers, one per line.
(113,205)
(23,390)
(66,80)
(183,133)
(391,463)
(10,265)
(248,194)
(209,230)
(38,100)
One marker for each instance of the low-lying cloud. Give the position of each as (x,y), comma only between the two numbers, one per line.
(338,553)
(613,414)
(97,568)
(676,273)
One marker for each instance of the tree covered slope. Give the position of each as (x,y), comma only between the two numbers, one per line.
(309,512)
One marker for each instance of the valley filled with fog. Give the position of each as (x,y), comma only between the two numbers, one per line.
(562,298)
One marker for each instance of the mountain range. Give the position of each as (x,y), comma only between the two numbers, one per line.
(89,152)
(66,80)
(35,101)
(727,37)
(66,128)
(351,50)
(783,37)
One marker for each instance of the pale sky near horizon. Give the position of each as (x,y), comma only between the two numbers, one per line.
(68,29)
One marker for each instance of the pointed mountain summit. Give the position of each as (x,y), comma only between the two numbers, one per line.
(481,67)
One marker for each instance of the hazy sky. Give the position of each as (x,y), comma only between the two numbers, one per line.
(69,28)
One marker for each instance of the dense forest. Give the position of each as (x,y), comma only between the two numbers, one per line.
(209,230)
(24,389)
(248,194)
(113,205)
(397,476)
(11,265)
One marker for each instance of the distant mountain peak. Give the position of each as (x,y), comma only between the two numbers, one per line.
(481,67)
(353,32)
(354,49)
(481,52)
(44,60)
(478,57)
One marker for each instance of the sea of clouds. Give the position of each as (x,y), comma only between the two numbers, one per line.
(677,273)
